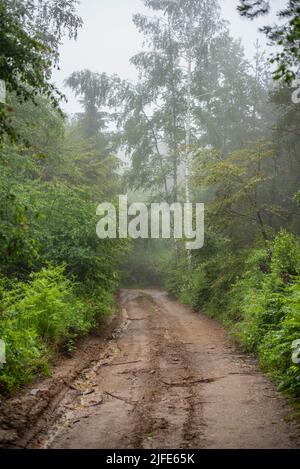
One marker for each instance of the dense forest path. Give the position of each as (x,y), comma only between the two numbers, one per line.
(171,379)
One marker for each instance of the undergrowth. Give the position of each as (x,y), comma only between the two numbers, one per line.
(42,316)
(257,296)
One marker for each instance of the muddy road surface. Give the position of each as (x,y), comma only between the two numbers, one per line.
(169,378)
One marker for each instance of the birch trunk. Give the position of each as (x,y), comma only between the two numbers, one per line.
(188,135)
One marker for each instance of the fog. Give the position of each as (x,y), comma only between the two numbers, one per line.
(109,39)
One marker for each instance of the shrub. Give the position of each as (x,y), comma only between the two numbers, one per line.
(26,356)
(269,306)
(48,305)
(206,285)
(275,350)
(257,297)
(40,316)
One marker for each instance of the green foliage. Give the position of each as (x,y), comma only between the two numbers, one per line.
(48,305)
(50,188)
(263,287)
(269,308)
(26,356)
(155,110)
(285,35)
(275,349)
(96,91)
(18,49)
(206,286)
(256,294)
(42,315)
(286,255)
(18,250)
(56,277)
(240,181)
(66,231)
(30,35)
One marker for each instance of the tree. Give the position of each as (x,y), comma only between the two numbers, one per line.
(31,32)
(232,96)
(163,103)
(18,248)
(91,144)
(285,35)
(195,89)
(286,136)
(95,91)
(241,185)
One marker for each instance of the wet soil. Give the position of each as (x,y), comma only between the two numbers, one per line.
(158,376)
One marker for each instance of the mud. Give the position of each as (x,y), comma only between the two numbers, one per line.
(166,377)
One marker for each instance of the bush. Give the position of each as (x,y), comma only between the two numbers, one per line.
(267,298)
(258,298)
(48,305)
(26,356)
(275,350)
(206,285)
(39,317)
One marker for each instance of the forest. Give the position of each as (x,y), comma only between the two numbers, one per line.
(202,124)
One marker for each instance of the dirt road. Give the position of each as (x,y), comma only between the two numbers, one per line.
(170,379)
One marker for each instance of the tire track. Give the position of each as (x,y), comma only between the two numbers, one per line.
(170,378)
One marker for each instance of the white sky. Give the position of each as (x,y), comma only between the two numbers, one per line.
(109,38)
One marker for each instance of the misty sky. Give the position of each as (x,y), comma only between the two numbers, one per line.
(109,38)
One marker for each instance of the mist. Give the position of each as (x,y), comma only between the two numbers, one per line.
(149,226)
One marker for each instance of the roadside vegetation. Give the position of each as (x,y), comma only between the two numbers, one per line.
(57,279)
(244,164)
(202,124)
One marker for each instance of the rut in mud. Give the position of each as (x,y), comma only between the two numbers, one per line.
(165,378)
(169,379)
